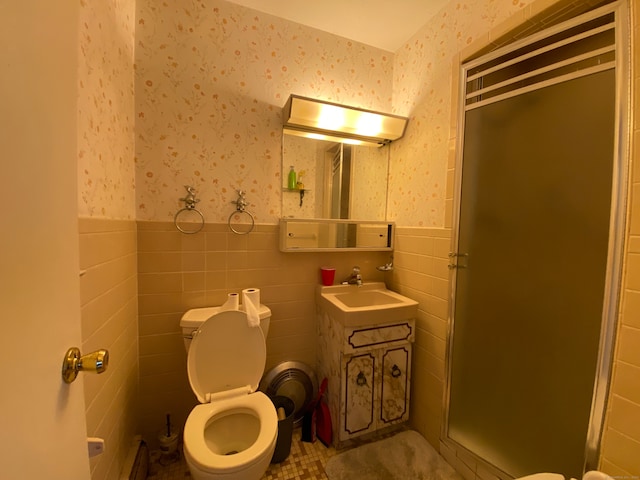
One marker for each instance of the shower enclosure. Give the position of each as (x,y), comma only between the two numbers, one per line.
(537,235)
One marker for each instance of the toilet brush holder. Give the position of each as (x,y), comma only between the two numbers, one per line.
(168,443)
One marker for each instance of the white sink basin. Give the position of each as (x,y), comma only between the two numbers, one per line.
(366,299)
(369,304)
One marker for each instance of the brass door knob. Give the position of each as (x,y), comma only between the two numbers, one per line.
(91,362)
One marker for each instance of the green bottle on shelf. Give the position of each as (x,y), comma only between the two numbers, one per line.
(291,182)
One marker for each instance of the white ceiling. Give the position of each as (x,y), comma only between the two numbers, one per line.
(385,24)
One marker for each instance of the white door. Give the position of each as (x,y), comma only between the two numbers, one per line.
(42,423)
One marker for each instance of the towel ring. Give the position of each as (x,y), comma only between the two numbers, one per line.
(189,206)
(241,232)
(241,204)
(198,226)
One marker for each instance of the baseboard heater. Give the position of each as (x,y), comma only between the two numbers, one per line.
(136,466)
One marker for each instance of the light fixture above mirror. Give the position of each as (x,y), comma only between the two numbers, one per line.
(322,120)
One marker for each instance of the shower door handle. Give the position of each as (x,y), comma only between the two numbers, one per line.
(454,260)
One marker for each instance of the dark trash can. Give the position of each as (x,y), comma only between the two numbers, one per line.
(285,428)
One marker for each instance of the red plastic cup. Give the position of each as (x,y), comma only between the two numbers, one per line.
(328,275)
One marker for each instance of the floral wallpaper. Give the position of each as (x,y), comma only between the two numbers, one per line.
(202,104)
(106,137)
(211,80)
(422,87)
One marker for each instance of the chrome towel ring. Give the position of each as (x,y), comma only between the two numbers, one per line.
(189,210)
(241,204)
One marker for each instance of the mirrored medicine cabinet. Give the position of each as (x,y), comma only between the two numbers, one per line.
(311,235)
(339,197)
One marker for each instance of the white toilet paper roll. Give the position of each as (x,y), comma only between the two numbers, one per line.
(232,303)
(251,303)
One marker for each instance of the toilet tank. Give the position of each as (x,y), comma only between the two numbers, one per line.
(192,319)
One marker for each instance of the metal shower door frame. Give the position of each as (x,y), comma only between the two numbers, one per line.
(620,194)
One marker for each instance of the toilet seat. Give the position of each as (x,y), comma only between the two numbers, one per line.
(204,458)
(543,476)
(225,362)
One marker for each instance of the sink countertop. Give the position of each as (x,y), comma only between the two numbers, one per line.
(369,304)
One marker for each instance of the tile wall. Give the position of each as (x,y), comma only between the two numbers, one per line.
(177,272)
(620,453)
(421,273)
(109,308)
(106,179)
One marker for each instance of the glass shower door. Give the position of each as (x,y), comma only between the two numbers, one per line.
(530,283)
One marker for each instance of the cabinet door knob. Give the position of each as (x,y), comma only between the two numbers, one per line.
(361,379)
(395,371)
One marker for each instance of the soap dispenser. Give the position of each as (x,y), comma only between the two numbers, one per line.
(291,182)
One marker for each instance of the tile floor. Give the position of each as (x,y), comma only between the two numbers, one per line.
(305,462)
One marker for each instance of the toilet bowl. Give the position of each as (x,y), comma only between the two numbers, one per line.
(591,475)
(232,434)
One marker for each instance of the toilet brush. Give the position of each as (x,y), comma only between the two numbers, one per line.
(168,441)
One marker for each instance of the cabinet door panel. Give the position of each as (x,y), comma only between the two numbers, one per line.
(394,404)
(359,393)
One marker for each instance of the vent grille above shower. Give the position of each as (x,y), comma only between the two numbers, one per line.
(556,55)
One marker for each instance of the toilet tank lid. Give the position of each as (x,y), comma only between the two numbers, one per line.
(194,317)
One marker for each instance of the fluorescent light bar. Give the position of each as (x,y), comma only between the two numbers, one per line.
(341,123)
(330,138)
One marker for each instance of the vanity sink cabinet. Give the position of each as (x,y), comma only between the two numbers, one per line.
(369,372)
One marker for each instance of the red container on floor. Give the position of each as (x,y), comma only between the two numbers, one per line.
(317,419)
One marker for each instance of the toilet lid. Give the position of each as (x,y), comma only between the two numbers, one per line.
(226,353)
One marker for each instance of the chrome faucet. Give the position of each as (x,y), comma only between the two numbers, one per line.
(355,278)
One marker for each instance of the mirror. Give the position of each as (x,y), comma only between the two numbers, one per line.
(334,180)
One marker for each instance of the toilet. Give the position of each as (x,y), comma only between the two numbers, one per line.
(232,434)
(591,475)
